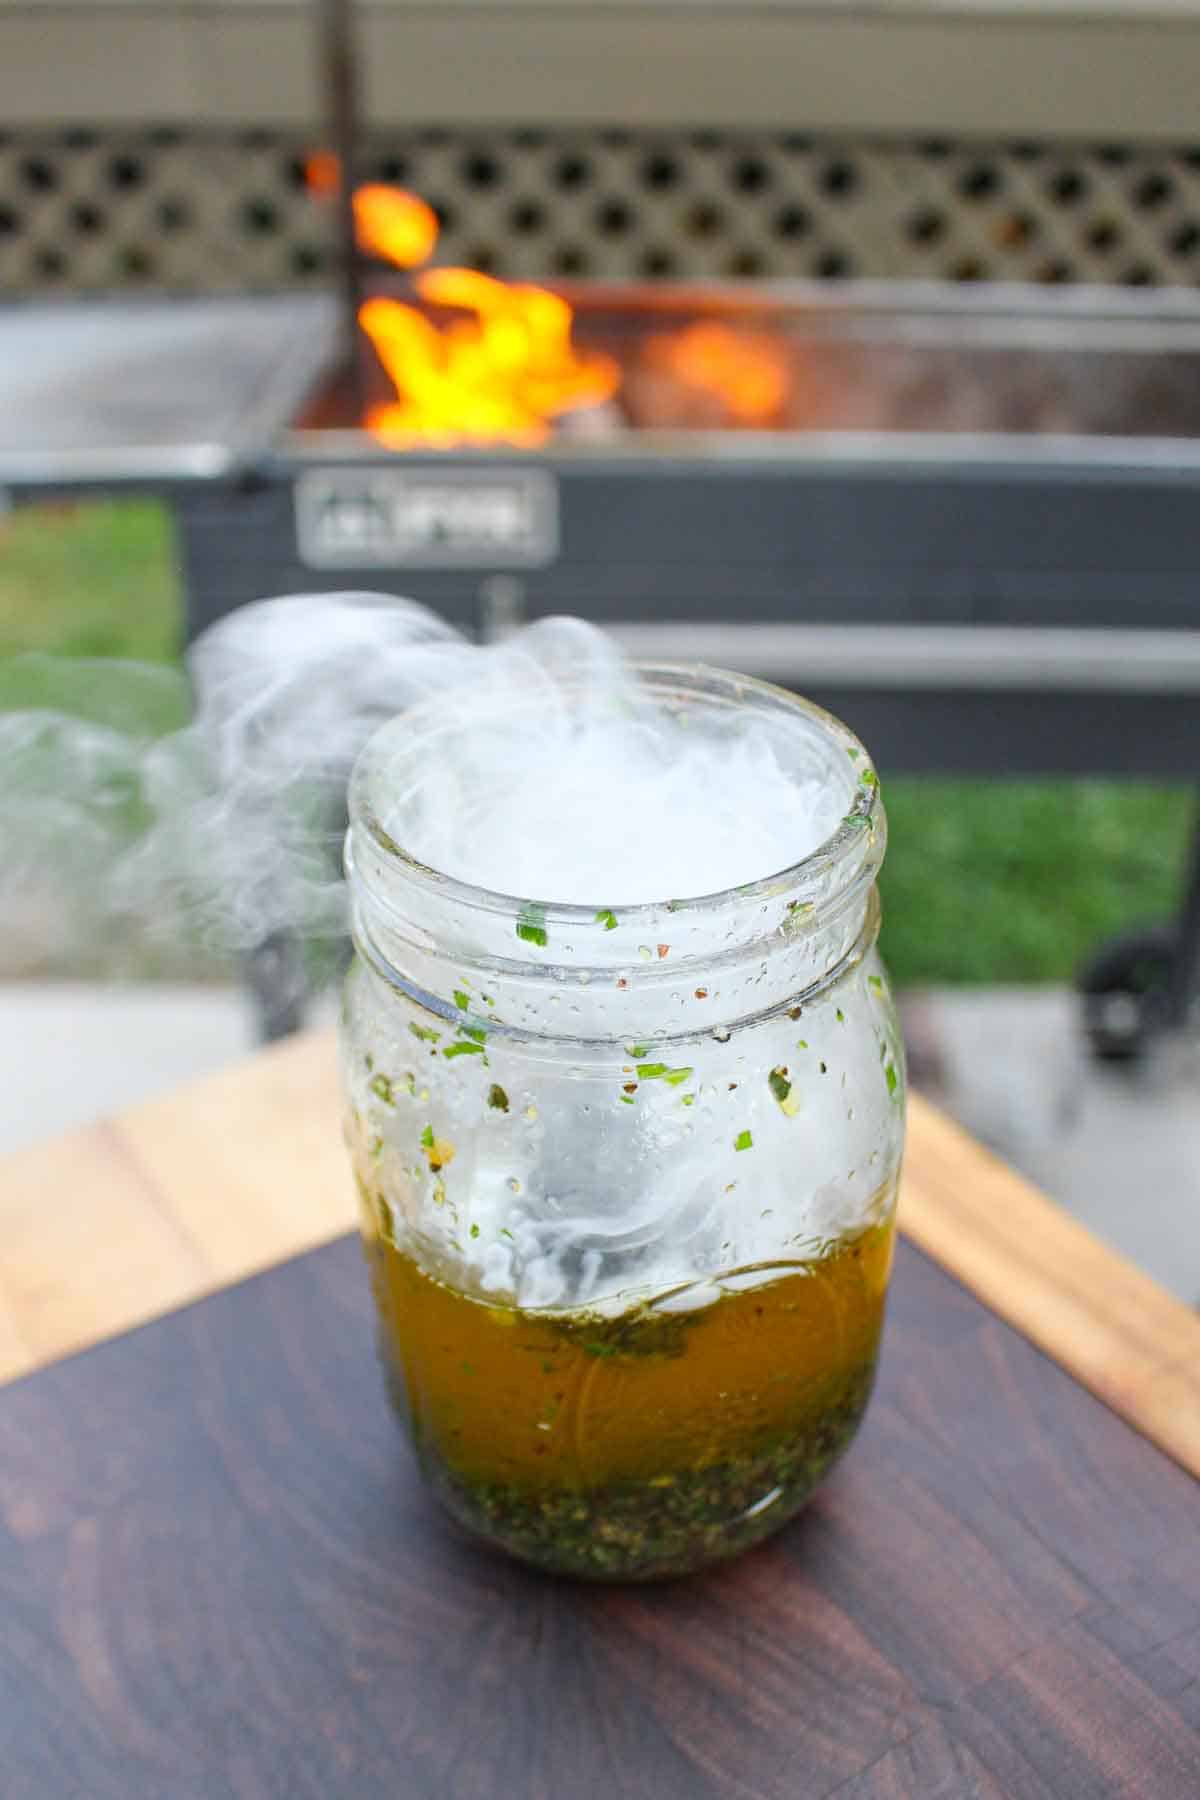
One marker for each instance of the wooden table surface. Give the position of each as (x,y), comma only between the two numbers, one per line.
(112,1225)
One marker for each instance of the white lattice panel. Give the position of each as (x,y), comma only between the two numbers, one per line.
(217,211)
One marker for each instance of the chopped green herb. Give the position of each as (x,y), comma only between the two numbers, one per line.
(506,1233)
(531,924)
(875,982)
(802,1043)
(856,820)
(869,778)
(453,1050)
(382,1086)
(461,1000)
(475,1032)
(893,1080)
(425,1032)
(497,1098)
(607,917)
(376,1149)
(370,1062)
(824,1068)
(689,1099)
(637,1051)
(488,999)
(840,1016)
(782,1088)
(427,1138)
(648,1071)
(474,1231)
(744,1141)
(853,755)
(796,914)
(625,1099)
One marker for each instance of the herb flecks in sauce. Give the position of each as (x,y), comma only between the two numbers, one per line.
(642,1444)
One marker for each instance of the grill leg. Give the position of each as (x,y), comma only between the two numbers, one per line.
(278,983)
(1185,967)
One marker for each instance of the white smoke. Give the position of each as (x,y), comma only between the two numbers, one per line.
(551,778)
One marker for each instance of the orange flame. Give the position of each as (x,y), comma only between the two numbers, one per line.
(322,172)
(394,225)
(746,372)
(502,372)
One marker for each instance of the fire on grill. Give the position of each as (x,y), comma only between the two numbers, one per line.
(453,358)
(474,361)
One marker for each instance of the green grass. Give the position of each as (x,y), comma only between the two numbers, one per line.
(985,881)
(1018,881)
(90,579)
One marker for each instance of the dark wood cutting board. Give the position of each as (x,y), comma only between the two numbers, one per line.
(219,1577)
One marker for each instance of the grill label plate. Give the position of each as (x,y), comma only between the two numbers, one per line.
(426,517)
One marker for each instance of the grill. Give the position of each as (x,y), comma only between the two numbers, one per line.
(954,483)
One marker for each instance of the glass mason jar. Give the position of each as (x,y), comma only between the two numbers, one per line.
(628,1174)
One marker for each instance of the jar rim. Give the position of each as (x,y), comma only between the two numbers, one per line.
(660,678)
